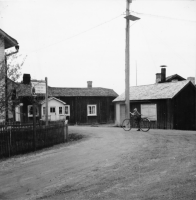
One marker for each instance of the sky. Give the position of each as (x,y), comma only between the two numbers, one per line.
(72,42)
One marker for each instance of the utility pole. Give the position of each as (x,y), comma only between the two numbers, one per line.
(127,106)
(128,18)
(46,97)
(136,72)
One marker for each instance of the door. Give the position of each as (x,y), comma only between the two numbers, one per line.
(53,113)
(122,113)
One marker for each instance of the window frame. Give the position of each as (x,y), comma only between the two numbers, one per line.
(61,110)
(68,106)
(54,109)
(88,110)
(36,109)
(44,110)
(151,115)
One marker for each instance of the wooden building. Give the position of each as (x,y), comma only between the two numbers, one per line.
(169,105)
(90,105)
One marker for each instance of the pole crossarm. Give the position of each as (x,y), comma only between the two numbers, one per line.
(132,17)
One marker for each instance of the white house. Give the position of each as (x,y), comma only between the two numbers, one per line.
(57,109)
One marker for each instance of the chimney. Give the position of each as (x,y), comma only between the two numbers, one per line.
(26,79)
(158,77)
(163,73)
(89,84)
(192,79)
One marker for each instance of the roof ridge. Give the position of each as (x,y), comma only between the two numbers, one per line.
(165,90)
(79,88)
(159,83)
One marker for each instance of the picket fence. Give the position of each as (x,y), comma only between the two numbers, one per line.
(20,138)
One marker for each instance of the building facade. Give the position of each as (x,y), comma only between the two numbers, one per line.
(90,105)
(169,105)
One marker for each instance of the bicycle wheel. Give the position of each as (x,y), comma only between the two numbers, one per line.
(126,125)
(145,124)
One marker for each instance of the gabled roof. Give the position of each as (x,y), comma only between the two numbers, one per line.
(154,91)
(25,90)
(53,98)
(95,91)
(9,41)
(173,77)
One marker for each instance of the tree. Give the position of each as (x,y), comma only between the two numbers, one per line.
(10,72)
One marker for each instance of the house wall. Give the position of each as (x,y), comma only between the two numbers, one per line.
(184,106)
(119,113)
(2,82)
(164,113)
(54,116)
(24,110)
(177,113)
(17,114)
(2,51)
(78,109)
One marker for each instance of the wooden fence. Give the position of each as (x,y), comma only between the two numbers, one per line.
(20,138)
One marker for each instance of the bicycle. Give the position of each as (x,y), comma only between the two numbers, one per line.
(144,124)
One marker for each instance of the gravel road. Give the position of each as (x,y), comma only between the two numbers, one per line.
(108,163)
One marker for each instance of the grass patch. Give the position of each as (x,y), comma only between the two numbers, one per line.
(75,137)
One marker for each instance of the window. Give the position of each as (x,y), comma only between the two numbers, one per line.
(67,110)
(44,110)
(91,110)
(30,111)
(52,109)
(150,111)
(60,110)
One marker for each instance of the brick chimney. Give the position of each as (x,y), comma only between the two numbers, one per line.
(163,73)
(158,77)
(26,79)
(89,84)
(192,79)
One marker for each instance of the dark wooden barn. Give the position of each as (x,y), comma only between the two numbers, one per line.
(90,105)
(81,100)
(169,105)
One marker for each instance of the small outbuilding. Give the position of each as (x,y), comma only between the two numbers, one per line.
(56,109)
(169,105)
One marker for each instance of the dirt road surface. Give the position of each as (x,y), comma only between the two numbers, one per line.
(108,163)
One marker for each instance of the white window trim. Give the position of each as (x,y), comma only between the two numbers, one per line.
(43,110)
(53,107)
(36,107)
(61,110)
(68,110)
(152,117)
(94,114)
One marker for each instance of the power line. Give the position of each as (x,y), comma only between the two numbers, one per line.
(171,18)
(77,34)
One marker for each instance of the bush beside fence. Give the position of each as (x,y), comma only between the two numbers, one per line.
(19,139)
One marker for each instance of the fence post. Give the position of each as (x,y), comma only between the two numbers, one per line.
(9,140)
(67,137)
(34,124)
(65,133)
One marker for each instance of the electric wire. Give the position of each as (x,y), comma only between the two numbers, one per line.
(177,55)
(147,42)
(159,16)
(80,33)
